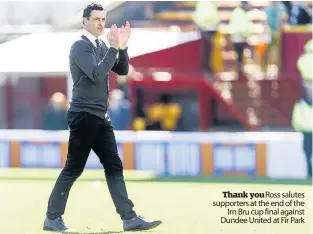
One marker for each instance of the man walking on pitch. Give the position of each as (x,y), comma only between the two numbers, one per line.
(90,126)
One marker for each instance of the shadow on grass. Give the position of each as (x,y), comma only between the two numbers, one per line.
(104,232)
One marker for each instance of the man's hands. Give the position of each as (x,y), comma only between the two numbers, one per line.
(118,38)
(124,35)
(113,37)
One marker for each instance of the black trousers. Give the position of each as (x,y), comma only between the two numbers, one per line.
(307,148)
(88,132)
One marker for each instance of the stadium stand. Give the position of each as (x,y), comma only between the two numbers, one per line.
(255,99)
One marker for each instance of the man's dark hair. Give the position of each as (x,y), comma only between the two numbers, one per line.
(92,7)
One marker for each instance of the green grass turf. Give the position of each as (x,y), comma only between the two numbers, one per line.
(184,207)
(92,175)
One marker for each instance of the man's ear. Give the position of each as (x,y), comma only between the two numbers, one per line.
(84,20)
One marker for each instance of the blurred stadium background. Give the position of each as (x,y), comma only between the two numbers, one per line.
(206,107)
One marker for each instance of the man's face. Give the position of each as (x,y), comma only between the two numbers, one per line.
(96,22)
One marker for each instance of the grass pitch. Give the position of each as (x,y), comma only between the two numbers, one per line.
(184,205)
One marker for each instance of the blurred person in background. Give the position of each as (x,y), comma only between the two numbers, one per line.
(164,115)
(276,17)
(149,11)
(302,122)
(139,122)
(302,112)
(240,29)
(90,126)
(298,13)
(207,19)
(54,114)
(123,81)
(305,67)
(154,117)
(119,110)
